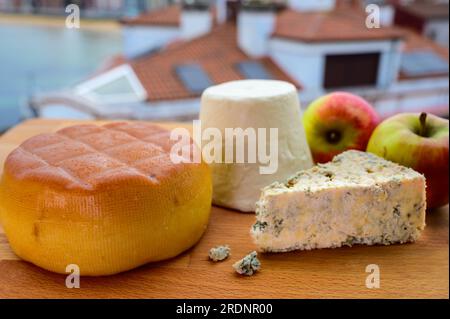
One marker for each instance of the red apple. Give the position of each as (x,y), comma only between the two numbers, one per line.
(338,122)
(419,141)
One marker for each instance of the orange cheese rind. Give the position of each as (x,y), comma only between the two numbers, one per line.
(106,198)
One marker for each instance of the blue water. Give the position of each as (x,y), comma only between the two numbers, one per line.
(39,59)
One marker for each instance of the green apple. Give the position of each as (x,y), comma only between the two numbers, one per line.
(418,141)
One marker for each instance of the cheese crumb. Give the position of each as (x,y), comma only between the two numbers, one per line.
(219,253)
(248,265)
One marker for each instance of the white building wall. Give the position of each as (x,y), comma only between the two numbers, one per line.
(390,61)
(195,23)
(221,11)
(305,62)
(312,5)
(254,31)
(431,102)
(307,70)
(438,31)
(171,110)
(141,39)
(420,95)
(387,14)
(109,4)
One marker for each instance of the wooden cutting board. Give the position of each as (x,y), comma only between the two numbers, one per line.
(419,270)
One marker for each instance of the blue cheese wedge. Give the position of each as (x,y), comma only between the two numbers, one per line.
(219,253)
(357,198)
(248,265)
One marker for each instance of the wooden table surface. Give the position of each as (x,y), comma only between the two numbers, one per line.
(419,270)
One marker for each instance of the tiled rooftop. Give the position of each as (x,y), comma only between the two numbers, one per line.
(337,25)
(218,54)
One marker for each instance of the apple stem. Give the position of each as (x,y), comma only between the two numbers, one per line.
(422,119)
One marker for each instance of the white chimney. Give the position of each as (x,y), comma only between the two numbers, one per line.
(312,5)
(196,19)
(221,11)
(255,24)
(387,15)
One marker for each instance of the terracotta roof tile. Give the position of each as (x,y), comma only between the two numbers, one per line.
(217,53)
(338,25)
(168,16)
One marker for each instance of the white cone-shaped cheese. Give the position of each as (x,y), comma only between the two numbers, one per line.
(254,104)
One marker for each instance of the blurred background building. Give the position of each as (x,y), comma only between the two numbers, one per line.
(90,8)
(170,51)
(429,18)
